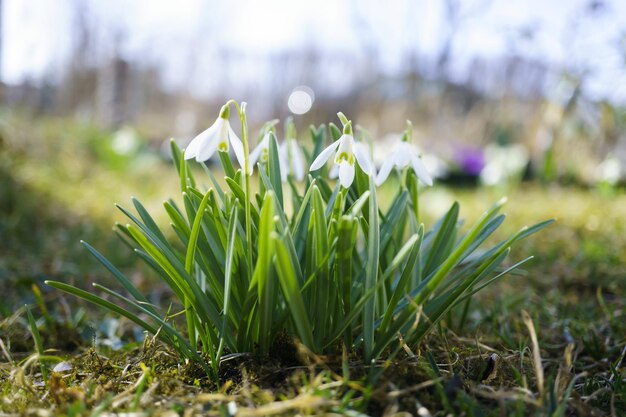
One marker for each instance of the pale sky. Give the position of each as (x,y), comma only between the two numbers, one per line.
(37,34)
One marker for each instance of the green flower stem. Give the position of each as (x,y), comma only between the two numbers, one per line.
(414,193)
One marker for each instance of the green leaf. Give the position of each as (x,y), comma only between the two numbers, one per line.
(176,217)
(274,170)
(414,245)
(227,164)
(94,299)
(335,132)
(128,286)
(193,237)
(291,291)
(371,273)
(230,254)
(346,241)
(441,243)
(262,273)
(38,343)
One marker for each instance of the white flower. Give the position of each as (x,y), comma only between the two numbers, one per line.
(292,161)
(345,156)
(217,137)
(289,157)
(261,152)
(402,155)
(361,149)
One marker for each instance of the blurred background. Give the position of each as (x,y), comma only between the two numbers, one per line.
(499,93)
(549,76)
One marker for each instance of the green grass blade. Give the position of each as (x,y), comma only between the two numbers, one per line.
(148,220)
(230,254)
(439,250)
(125,282)
(291,292)
(274,169)
(371,274)
(94,299)
(38,343)
(262,273)
(402,286)
(193,238)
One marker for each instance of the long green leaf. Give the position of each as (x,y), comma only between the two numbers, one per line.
(274,169)
(371,273)
(291,292)
(193,238)
(262,273)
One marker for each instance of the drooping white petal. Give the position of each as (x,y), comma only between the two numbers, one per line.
(420,170)
(256,153)
(346,174)
(402,154)
(334,172)
(238,148)
(324,156)
(362,157)
(202,140)
(297,160)
(385,169)
(210,142)
(192,148)
(207,151)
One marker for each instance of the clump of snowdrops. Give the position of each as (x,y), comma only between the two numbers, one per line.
(302,255)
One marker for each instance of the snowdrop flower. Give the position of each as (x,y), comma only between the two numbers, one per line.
(292,161)
(289,157)
(217,137)
(346,154)
(360,148)
(262,150)
(401,156)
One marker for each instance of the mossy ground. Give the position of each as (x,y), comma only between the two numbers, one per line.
(574,292)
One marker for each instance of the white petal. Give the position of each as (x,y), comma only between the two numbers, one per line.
(210,143)
(334,172)
(402,154)
(324,156)
(208,150)
(384,171)
(420,170)
(362,157)
(201,141)
(346,146)
(256,153)
(346,174)
(297,160)
(237,147)
(192,148)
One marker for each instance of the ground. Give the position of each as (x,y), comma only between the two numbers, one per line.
(567,308)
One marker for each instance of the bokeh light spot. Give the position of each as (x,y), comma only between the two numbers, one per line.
(301,100)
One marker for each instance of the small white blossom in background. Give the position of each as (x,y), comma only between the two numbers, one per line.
(261,152)
(403,155)
(289,155)
(219,137)
(292,161)
(346,155)
(504,163)
(611,170)
(126,141)
(232,408)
